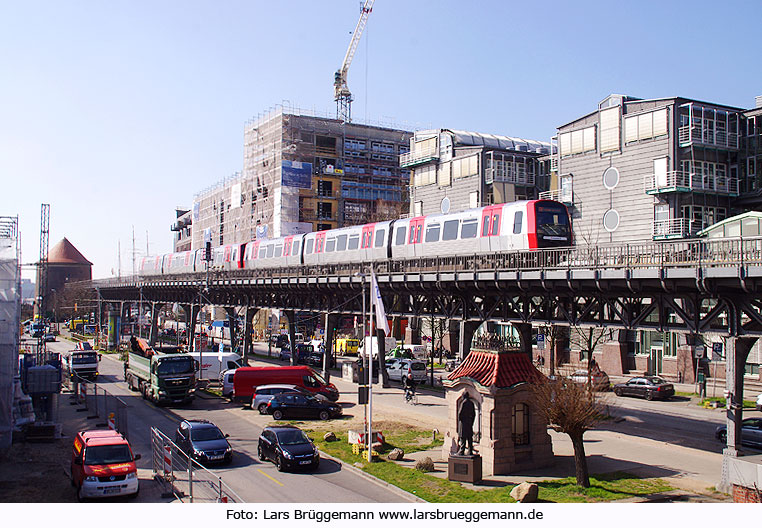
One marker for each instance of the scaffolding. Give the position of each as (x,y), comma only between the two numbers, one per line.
(10,310)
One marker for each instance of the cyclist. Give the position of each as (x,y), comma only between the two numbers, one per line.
(409,384)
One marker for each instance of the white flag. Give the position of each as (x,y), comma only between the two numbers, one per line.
(381,321)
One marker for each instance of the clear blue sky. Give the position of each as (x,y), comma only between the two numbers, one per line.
(115,112)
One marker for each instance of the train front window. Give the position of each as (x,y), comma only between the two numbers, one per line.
(552,220)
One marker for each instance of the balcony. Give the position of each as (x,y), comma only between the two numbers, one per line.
(695,135)
(563,196)
(680,181)
(419,157)
(674,228)
(520,177)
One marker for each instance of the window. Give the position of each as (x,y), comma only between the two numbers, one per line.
(473,199)
(577,141)
(609,120)
(400,238)
(380,237)
(307,248)
(330,245)
(443,175)
(270,250)
(464,167)
(520,424)
(295,248)
(279,250)
(354,242)
(469,228)
(418,208)
(751,166)
(645,126)
(517,221)
(341,243)
(450,230)
(432,233)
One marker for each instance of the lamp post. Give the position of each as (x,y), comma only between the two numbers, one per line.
(368,369)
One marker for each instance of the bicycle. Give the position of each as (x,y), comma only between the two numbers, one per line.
(411,396)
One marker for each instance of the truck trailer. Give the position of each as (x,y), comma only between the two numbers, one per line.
(161,377)
(81,364)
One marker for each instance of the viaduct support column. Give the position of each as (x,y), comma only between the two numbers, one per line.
(332,321)
(153,336)
(291,317)
(737,352)
(413,331)
(232,324)
(247,327)
(466,332)
(191,316)
(525,335)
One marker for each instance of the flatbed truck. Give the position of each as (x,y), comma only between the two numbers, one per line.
(161,377)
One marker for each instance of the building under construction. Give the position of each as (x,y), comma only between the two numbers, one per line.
(304,172)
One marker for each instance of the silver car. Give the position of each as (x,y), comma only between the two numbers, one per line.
(265,393)
(598,379)
(400,368)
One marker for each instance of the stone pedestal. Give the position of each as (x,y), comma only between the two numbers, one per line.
(464,468)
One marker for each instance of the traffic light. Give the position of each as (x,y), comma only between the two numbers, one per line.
(208,251)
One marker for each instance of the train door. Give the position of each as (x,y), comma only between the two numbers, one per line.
(287,246)
(415,235)
(490,228)
(366,241)
(319,247)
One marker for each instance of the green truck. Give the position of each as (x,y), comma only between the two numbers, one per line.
(160,376)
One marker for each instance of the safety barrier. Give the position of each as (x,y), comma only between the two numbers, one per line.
(183,477)
(99,403)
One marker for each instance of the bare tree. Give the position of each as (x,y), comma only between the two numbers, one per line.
(571,409)
(588,339)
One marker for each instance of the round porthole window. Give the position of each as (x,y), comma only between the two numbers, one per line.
(444,205)
(610,178)
(611,220)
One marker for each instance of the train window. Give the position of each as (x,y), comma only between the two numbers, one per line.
(330,245)
(278,251)
(354,242)
(485,226)
(400,240)
(450,230)
(295,247)
(270,250)
(341,242)
(518,219)
(469,228)
(495,225)
(262,251)
(432,233)
(412,234)
(308,247)
(380,237)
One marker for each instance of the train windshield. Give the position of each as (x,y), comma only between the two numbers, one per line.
(552,224)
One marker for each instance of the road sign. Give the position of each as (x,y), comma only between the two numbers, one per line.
(716,351)
(540,341)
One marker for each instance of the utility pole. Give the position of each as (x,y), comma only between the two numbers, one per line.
(42,276)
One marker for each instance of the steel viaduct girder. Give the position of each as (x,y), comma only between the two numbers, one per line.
(693,300)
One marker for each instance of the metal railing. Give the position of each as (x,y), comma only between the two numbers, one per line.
(672,228)
(419,156)
(100,403)
(558,195)
(695,134)
(183,477)
(690,181)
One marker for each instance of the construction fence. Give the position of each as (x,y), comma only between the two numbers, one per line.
(99,403)
(183,477)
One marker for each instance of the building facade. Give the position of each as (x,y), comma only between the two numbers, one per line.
(455,170)
(304,173)
(182,229)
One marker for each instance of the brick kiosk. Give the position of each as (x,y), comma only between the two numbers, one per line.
(509,433)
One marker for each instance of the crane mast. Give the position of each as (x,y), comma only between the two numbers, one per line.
(341,93)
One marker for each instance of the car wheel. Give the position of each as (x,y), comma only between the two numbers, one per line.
(261,454)
(324,415)
(262,408)
(279,463)
(278,414)
(315,465)
(649,395)
(618,392)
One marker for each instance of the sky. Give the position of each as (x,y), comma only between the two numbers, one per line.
(116,112)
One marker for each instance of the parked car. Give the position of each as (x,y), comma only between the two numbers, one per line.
(751,432)
(102,465)
(49,337)
(288,447)
(203,441)
(648,387)
(316,360)
(400,368)
(265,393)
(598,379)
(292,405)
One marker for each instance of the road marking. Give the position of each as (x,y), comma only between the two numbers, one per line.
(271,478)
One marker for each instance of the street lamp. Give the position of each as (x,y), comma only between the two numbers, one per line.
(368,368)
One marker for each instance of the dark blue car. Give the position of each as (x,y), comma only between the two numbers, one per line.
(288,447)
(203,441)
(294,405)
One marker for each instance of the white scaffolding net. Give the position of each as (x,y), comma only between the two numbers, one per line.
(10,298)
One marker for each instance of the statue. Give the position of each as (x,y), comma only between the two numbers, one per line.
(466,420)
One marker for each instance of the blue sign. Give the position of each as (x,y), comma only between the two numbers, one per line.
(716,351)
(296,174)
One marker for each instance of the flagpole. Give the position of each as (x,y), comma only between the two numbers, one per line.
(370,369)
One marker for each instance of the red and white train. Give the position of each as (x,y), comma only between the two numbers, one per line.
(515,226)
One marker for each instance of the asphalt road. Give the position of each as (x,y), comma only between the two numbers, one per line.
(252,480)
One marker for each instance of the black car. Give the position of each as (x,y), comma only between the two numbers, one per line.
(648,387)
(288,447)
(204,442)
(316,360)
(294,405)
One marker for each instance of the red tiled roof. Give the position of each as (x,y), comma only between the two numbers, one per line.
(499,369)
(65,253)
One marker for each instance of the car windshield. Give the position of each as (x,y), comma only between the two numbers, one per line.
(320,378)
(204,434)
(292,437)
(85,357)
(109,454)
(175,365)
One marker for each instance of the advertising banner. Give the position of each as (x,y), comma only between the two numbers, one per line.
(296,174)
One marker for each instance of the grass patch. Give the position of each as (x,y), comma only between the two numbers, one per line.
(213,392)
(747,404)
(602,488)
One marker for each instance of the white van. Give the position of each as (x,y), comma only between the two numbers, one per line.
(418,351)
(227,383)
(372,343)
(212,364)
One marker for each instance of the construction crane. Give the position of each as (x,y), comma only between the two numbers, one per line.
(341,93)
(42,276)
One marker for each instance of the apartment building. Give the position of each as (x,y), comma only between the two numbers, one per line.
(303,172)
(453,170)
